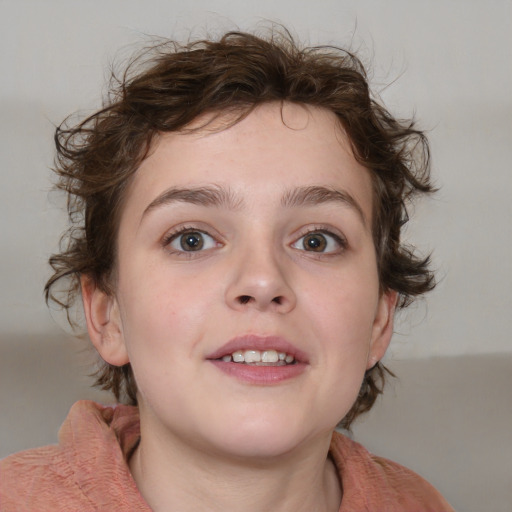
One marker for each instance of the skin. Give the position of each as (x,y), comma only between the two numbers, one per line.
(211,441)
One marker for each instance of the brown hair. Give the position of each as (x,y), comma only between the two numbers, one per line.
(168,87)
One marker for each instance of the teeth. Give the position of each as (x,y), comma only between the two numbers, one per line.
(259,357)
(252,356)
(238,356)
(269,356)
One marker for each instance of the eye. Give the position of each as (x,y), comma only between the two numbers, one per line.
(320,241)
(191,241)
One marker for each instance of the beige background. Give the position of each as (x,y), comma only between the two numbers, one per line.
(450,415)
(447,418)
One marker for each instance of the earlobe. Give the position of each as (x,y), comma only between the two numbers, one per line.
(382,327)
(103,322)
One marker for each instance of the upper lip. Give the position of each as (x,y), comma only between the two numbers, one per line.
(257,342)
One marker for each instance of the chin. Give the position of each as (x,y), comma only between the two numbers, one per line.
(265,437)
(260,448)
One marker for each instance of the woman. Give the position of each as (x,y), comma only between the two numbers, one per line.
(235,214)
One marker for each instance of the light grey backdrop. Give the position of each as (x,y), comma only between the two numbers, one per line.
(448,62)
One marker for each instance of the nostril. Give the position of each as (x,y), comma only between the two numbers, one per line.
(246,299)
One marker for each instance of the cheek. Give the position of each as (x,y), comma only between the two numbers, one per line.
(161,332)
(162,308)
(342,315)
(347,299)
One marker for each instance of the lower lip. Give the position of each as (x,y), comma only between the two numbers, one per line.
(262,375)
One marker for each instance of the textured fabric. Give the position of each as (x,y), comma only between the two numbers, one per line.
(87,471)
(375,484)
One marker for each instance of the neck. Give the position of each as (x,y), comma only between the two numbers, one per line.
(178,477)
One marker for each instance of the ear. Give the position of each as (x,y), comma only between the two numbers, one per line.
(103,322)
(382,327)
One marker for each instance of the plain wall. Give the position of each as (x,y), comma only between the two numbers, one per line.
(447,62)
(445,418)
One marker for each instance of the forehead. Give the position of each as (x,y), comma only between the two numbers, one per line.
(273,150)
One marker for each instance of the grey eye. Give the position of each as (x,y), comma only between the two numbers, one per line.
(192,241)
(314,242)
(318,241)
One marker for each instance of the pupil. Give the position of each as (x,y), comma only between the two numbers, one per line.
(315,243)
(191,241)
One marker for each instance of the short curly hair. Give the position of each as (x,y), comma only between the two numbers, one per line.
(170,85)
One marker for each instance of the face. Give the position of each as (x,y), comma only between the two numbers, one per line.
(247,296)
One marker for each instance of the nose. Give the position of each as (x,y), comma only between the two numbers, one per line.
(258,281)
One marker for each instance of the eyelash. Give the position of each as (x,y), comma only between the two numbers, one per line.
(320,230)
(176,234)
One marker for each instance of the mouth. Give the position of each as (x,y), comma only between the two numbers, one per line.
(259,359)
(259,350)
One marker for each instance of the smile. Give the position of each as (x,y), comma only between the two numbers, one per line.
(260,360)
(259,357)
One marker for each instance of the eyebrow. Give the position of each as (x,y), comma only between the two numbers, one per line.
(218,196)
(212,196)
(315,195)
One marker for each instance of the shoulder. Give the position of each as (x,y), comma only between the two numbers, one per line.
(377,484)
(86,471)
(38,479)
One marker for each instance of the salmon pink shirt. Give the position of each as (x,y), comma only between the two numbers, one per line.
(88,471)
